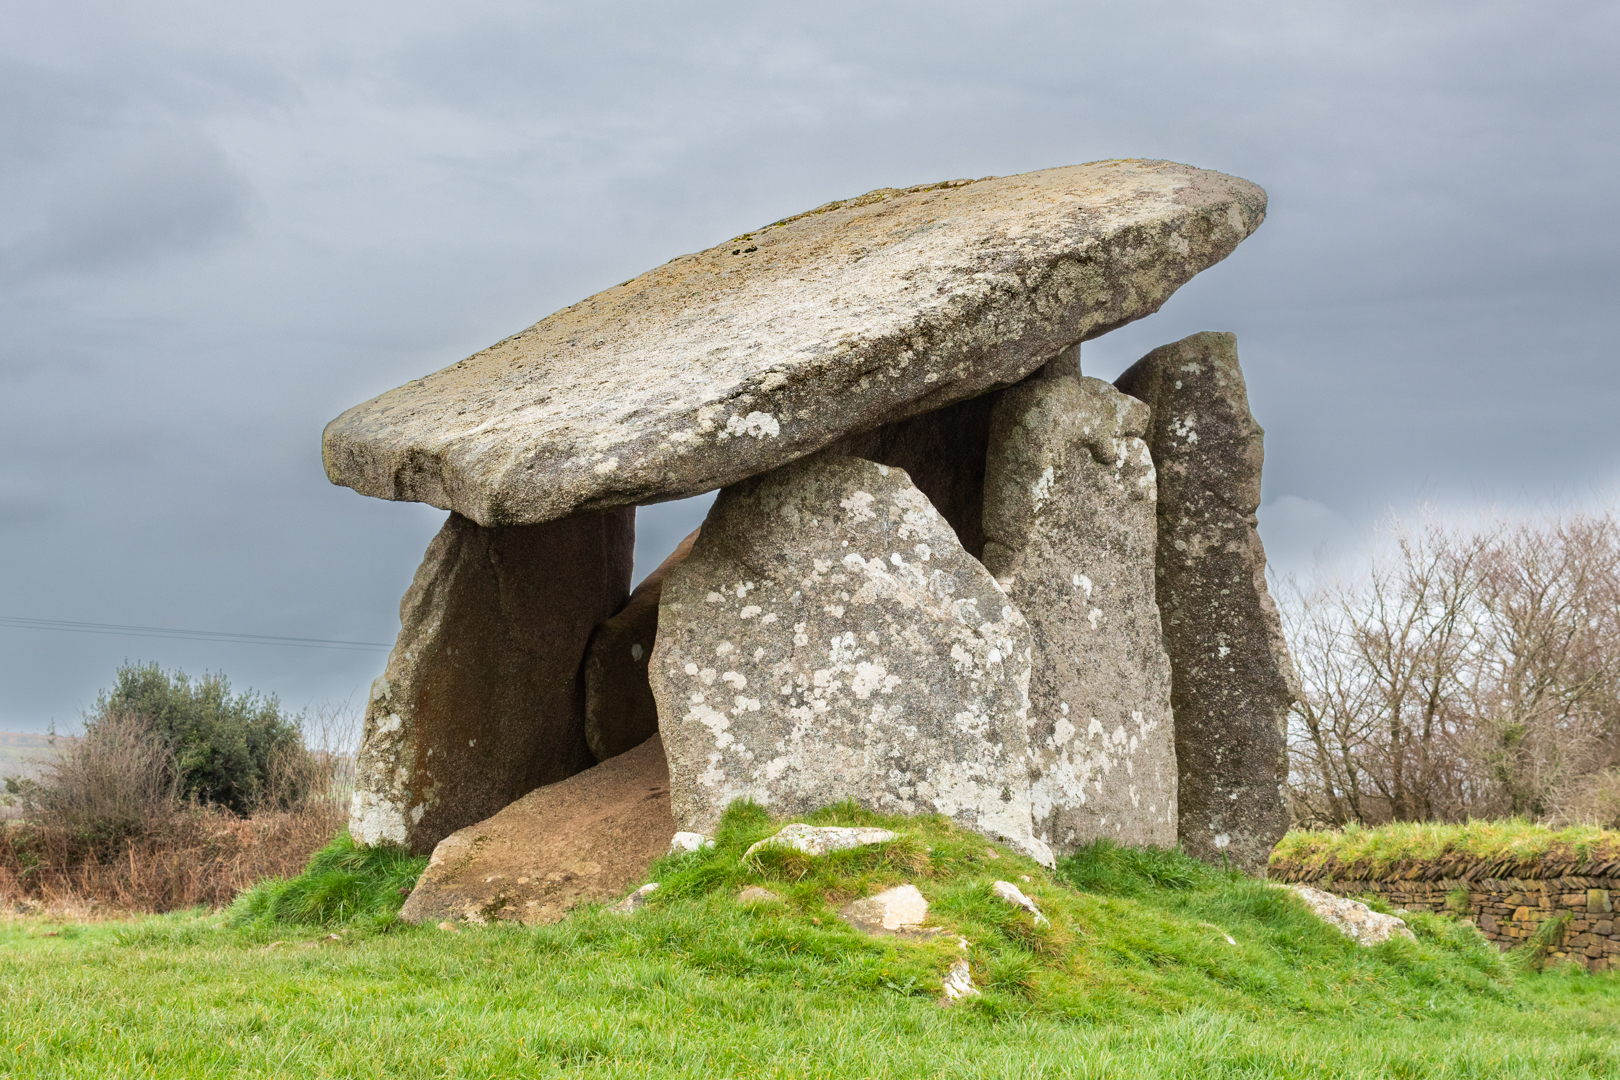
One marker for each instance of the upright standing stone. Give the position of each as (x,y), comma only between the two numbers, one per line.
(829,639)
(943,452)
(1069,525)
(620,713)
(1231,677)
(482,699)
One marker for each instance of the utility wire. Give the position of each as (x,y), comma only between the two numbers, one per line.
(121,630)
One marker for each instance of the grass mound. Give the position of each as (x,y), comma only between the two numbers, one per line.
(1355,852)
(343,883)
(1130,930)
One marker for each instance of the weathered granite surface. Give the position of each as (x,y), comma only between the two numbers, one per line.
(585,839)
(482,699)
(1069,518)
(828,638)
(1232,680)
(1355,920)
(820,839)
(620,712)
(944,453)
(724,364)
(898,911)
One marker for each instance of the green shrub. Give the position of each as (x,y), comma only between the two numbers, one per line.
(233,750)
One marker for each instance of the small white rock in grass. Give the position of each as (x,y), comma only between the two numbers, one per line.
(636,900)
(683,843)
(1355,920)
(753,894)
(1013,895)
(820,839)
(900,910)
(959,983)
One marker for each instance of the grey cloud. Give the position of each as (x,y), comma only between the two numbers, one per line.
(23,502)
(256,217)
(131,201)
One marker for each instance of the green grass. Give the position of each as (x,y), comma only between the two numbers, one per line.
(1372,851)
(1133,977)
(343,883)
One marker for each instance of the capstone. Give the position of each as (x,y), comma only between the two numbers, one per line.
(734,361)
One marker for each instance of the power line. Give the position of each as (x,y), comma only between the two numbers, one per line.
(120,630)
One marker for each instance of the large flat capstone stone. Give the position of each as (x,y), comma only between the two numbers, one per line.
(482,699)
(1069,500)
(828,638)
(1231,678)
(589,838)
(736,360)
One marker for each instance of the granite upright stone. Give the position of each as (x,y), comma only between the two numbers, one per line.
(1232,680)
(482,699)
(1069,522)
(829,639)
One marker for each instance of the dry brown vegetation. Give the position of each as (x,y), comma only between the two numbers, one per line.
(103,826)
(1471,673)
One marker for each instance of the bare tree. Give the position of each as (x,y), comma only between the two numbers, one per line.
(1469,672)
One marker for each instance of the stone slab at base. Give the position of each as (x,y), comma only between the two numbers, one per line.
(588,838)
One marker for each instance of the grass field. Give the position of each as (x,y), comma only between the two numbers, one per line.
(1134,977)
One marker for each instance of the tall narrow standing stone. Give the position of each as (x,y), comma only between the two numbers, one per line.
(1231,677)
(1069,533)
(482,700)
(829,639)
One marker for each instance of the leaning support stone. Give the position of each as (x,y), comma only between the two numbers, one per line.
(829,639)
(1231,678)
(482,699)
(1069,523)
(620,713)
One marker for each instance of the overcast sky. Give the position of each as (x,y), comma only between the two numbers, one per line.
(223,224)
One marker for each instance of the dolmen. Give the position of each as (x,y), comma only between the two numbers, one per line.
(945,573)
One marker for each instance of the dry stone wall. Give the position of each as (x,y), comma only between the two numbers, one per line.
(1507,909)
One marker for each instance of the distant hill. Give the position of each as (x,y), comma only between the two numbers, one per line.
(17,749)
